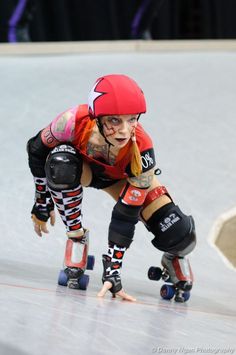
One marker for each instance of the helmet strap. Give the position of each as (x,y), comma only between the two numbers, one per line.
(100,127)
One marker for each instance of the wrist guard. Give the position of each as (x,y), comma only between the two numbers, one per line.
(43,202)
(114,277)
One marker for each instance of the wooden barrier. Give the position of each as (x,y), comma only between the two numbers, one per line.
(223,237)
(37,48)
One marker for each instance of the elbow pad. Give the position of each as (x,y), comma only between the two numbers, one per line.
(37,153)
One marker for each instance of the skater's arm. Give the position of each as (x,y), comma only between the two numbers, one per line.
(37,154)
(125,215)
(142,181)
(43,208)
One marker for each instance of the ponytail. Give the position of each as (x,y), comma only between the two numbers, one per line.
(136,161)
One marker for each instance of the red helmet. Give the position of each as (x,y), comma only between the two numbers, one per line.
(116,95)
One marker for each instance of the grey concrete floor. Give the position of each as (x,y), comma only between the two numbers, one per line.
(191,117)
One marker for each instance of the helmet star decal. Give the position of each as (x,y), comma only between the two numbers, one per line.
(93,95)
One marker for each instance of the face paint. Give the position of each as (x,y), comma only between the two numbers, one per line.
(119,129)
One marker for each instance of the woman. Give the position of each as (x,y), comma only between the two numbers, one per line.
(103,145)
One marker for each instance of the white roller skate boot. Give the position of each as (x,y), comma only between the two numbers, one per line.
(76,262)
(177,271)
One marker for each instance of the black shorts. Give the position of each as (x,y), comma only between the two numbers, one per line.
(99,179)
(100,183)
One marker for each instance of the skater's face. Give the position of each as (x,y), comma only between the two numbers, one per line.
(118,129)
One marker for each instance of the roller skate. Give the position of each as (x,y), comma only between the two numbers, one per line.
(177,275)
(76,262)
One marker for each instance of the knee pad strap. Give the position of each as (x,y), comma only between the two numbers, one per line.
(155,194)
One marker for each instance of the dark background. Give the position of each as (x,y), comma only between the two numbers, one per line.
(84,20)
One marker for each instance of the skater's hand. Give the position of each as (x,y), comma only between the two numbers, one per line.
(106,287)
(41,226)
(41,214)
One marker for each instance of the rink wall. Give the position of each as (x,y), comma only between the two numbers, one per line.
(38,48)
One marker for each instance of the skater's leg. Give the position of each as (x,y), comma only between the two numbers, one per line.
(174,233)
(177,241)
(115,189)
(63,170)
(69,203)
(156,198)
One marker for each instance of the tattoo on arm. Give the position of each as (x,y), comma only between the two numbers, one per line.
(143,181)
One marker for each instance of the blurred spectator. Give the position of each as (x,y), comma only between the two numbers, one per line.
(142,21)
(15,18)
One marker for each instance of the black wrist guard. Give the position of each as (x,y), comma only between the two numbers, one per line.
(114,278)
(41,212)
(43,201)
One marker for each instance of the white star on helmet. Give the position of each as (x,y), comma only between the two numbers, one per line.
(93,95)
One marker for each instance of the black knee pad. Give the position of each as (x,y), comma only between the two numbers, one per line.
(63,168)
(173,230)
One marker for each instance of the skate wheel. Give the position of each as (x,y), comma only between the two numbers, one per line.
(167,292)
(90,262)
(83,282)
(154,273)
(63,278)
(186,296)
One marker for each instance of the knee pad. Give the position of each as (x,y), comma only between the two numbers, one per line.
(173,230)
(63,168)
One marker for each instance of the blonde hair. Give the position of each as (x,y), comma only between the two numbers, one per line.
(136,160)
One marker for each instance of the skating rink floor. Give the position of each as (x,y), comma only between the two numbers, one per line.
(191,117)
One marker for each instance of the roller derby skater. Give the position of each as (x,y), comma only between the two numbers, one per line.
(103,145)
